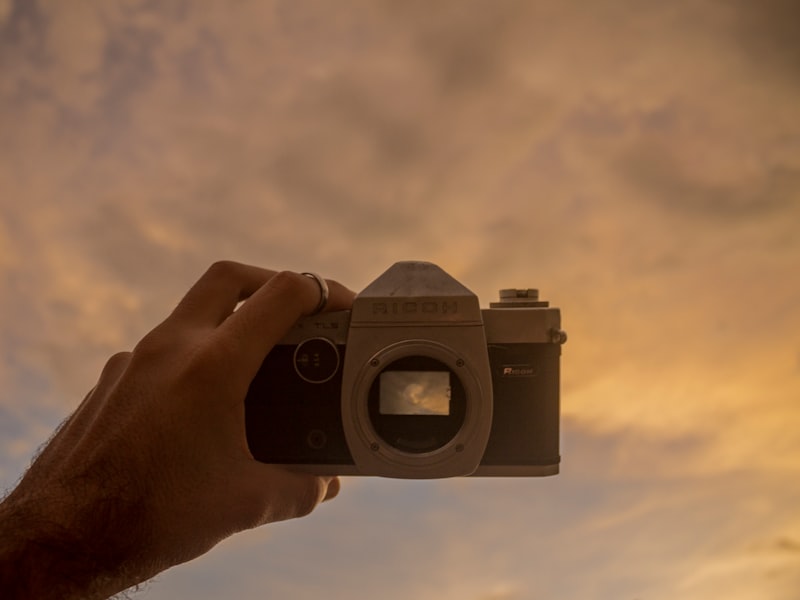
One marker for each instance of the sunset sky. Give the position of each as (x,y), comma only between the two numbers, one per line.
(638,162)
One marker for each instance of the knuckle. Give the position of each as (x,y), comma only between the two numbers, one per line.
(221,269)
(254,508)
(117,361)
(287,281)
(115,365)
(222,266)
(295,287)
(153,346)
(308,498)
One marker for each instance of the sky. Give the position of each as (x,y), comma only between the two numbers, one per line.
(638,162)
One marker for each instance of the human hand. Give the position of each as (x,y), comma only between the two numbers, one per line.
(153,468)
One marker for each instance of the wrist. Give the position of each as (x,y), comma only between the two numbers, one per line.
(54,547)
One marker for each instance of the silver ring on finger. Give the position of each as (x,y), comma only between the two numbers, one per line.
(323,292)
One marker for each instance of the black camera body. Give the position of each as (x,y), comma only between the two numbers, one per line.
(416,381)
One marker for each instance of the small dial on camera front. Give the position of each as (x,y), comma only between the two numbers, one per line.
(316,360)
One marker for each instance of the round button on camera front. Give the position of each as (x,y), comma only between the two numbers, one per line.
(316,360)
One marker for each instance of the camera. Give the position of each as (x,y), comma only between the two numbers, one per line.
(415,381)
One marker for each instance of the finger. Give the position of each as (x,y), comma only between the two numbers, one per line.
(269,314)
(278,494)
(215,295)
(334,487)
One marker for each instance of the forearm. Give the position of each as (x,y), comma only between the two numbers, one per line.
(44,557)
(36,558)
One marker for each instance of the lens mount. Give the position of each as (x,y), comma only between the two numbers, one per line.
(420,410)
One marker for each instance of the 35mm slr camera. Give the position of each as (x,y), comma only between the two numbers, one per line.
(416,381)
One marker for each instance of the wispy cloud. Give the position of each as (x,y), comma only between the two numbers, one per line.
(640,163)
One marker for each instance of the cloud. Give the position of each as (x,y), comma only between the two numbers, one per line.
(637,163)
(711,170)
(23,28)
(603,527)
(768,38)
(772,572)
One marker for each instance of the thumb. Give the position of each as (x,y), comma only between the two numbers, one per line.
(277,494)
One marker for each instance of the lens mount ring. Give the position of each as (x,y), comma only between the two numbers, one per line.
(463,448)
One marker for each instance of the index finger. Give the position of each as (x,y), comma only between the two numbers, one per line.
(213,297)
(265,318)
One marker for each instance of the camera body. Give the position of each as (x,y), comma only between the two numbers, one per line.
(416,381)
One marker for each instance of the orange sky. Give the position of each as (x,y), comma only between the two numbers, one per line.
(638,162)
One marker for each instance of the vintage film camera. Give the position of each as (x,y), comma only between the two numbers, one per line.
(416,381)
